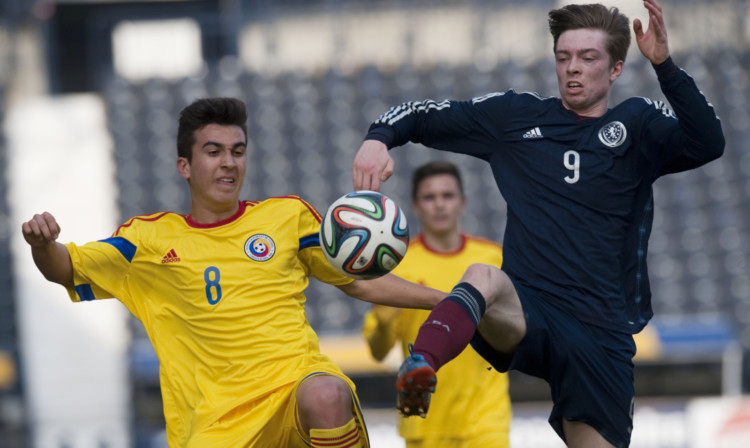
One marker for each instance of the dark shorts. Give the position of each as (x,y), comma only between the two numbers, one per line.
(589,369)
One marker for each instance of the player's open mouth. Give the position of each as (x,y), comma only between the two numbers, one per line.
(226,180)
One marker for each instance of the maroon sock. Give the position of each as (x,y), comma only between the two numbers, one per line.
(450,326)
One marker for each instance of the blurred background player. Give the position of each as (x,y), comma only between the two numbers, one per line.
(472,408)
(220,294)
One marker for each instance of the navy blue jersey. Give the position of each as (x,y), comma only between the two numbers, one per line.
(578,190)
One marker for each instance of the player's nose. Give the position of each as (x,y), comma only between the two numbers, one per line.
(227,159)
(574,65)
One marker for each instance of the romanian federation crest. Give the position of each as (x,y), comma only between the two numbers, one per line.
(613,134)
(260,247)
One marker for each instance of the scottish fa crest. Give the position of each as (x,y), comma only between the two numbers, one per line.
(260,247)
(613,134)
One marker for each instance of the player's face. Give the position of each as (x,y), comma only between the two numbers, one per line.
(584,71)
(439,204)
(217,169)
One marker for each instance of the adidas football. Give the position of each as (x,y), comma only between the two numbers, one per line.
(364,234)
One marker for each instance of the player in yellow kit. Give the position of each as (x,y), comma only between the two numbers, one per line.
(220,294)
(472,405)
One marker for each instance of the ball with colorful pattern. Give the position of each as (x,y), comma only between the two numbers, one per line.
(364,234)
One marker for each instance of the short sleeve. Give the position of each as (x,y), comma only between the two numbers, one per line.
(310,253)
(100,268)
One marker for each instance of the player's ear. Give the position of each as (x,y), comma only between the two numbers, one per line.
(183,167)
(615,71)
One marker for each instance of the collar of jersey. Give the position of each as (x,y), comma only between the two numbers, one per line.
(438,252)
(234,217)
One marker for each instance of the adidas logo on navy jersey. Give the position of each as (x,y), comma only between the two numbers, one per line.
(533,133)
(171,257)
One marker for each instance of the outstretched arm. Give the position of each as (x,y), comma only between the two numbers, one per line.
(653,42)
(442,125)
(394,291)
(51,258)
(696,137)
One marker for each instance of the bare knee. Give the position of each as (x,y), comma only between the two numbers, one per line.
(503,324)
(324,402)
(491,282)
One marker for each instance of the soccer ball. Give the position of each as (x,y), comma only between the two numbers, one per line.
(364,234)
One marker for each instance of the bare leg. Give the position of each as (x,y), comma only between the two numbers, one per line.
(324,402)
(484,299)
(581,435)
(503,324)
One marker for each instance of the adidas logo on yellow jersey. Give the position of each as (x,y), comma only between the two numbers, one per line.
(171,257)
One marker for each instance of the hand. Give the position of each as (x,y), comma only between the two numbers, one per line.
(372,165)
(653,42)
(41,230)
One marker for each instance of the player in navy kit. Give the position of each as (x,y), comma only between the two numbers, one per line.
(577,178)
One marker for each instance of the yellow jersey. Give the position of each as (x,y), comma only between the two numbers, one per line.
(470,399)
(222,304)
